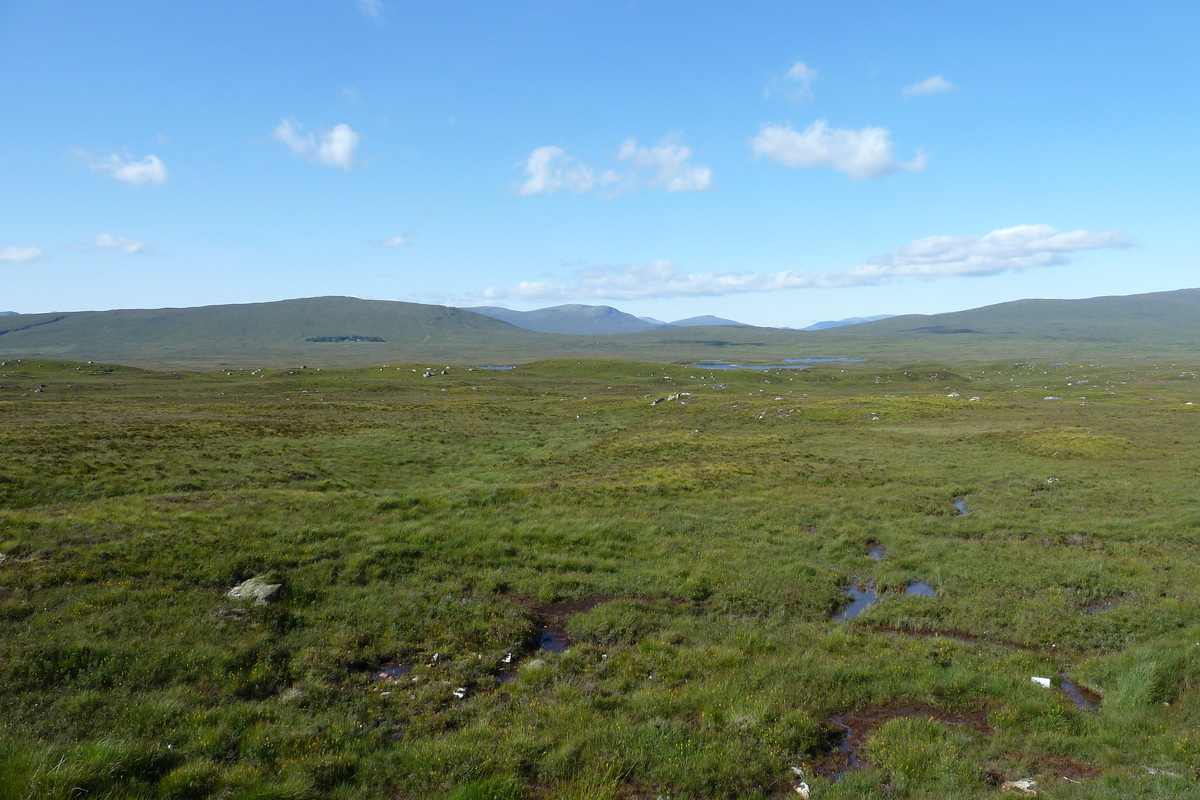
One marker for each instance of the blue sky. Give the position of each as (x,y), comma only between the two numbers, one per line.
(777,163)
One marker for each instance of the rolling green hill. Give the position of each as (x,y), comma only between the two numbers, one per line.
(1157,325)
(258,333)
(351,332)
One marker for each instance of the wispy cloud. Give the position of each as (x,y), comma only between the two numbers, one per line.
(393,241)
(119,244)
(334,148)
(1004,250)
(668,161)
(371,9)
(861,154)
(666,165)
(149,170)
(795,84)
(935,85)
(549,169)
(20,255)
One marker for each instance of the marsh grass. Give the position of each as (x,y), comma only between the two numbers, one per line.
(704,542)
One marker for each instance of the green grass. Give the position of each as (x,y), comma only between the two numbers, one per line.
(694,551)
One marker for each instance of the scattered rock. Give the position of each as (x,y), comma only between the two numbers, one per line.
(258,590)
(801,785)
(1022,786)
(1043,682)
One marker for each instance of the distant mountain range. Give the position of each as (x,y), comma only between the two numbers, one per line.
(8,313)
(589,320)
(348,332)
(838,323)
(708,319)
(571,318)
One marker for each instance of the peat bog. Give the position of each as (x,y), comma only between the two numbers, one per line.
(538,582)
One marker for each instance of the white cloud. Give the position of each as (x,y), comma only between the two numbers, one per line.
(935,85)
(371,9)
(669,161)
(136,173)
(1004,250)
(20,255)
(549,170)
(795,84)
(335,148)
(393,241)
(861,154)
(119,244)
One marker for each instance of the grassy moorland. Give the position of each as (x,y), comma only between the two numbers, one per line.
(689,557)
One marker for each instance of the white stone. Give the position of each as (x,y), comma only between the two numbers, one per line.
(258,590)
(1025,786)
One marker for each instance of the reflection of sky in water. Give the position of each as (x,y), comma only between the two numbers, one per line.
(391,671)
(1084,699)
(740,366)
(552,642)
(788,363)
(919,588)
(818,360)
(860,601)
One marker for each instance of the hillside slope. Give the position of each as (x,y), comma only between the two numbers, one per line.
(352,332)
(277,332)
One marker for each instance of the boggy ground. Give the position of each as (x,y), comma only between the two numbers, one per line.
(693,552)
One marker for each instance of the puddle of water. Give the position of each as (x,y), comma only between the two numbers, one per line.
(1083,698)
(961,505)
(390,671)
(496,367)
(856,728)
(553,641)
(1099,607)
(949,637)
(861,598)
(920,589)
(876,551)
(846,749)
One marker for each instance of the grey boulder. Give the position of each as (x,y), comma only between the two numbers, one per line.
(258,590)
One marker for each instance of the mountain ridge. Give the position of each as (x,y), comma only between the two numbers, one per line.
(343,331)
